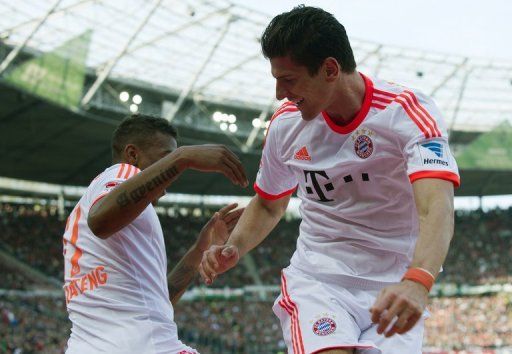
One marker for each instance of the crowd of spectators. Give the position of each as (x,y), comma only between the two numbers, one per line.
(33,325)
(482,240)
(232,327)
(470,322)
(241,326)
(33,235)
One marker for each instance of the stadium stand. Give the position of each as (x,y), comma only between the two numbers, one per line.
(246,324)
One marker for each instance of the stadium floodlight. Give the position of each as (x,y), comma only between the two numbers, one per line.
(231,118)
(124,96)
(233,128)
(134,108)
(137,99)
(256,123)
(217,116)
(223,126)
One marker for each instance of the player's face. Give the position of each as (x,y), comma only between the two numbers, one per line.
(311,94)
(160,145)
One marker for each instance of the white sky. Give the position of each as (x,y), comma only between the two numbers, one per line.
(472,28)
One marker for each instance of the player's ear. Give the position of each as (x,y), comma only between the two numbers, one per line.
(131,154)
(331,69)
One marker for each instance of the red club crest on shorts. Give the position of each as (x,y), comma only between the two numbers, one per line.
(363,145)
(324,326)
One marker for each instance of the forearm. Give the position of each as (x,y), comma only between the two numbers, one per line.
(257,221)
(435,234)
(121,206)
(183,273)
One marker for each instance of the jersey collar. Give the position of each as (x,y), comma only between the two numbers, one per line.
(350,127)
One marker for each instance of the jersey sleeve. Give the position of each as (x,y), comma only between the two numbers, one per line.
(426,150)
(275,179)
(107,181)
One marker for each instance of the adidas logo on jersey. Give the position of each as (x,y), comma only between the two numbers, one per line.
(302,154)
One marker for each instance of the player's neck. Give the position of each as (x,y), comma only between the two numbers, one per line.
(347,98)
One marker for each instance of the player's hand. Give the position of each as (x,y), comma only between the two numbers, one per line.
(404,302)
(217,260)
(215,158)
(219,227)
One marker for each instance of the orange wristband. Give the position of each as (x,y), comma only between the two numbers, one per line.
(420,275)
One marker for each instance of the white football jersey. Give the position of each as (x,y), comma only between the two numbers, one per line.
(116,289)
(359,220)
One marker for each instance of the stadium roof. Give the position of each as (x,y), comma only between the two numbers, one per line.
(199,56)
(209,50)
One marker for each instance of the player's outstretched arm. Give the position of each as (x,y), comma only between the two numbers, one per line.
(407,300)
(215,232)
(121,206)
(257,221)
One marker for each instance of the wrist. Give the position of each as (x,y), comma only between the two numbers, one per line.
(181,160)
(420,276)
(197,248)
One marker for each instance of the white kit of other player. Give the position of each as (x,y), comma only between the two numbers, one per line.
(116,289)
(359,220)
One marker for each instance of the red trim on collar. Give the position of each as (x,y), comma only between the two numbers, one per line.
(360,116)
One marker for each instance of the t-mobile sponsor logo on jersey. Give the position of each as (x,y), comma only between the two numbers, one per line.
(316,185)
(319,188)
(432,154)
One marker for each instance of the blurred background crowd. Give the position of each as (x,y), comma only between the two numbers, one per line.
(33,234)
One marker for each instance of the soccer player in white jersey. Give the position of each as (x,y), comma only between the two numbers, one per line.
(371,164)
(116,286)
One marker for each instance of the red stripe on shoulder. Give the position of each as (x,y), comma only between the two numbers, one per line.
(285,107)
(426,114)
(121,170)
(384,93)
(381,99)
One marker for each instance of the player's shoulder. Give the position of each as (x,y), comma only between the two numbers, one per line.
(288,110)
(387,92)
(114,174)
(411,110)
(286,114)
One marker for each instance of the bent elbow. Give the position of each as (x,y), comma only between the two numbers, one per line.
(98,228)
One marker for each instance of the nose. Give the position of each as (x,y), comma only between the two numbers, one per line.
(281,92)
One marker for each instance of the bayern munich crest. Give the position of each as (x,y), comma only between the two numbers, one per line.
(363,146)
(324,326)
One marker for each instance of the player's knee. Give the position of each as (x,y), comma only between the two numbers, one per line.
(337,351)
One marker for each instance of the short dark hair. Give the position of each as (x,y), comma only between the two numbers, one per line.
(139,129)
(308,35)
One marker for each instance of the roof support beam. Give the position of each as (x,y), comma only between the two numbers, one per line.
(449,76)
(14,53)
(459,99)
(227,71)
(8,31)
(188,88)
(112,63)
(173,31)
(376,51)
(254,132)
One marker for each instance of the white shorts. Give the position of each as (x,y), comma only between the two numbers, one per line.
(317,316)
